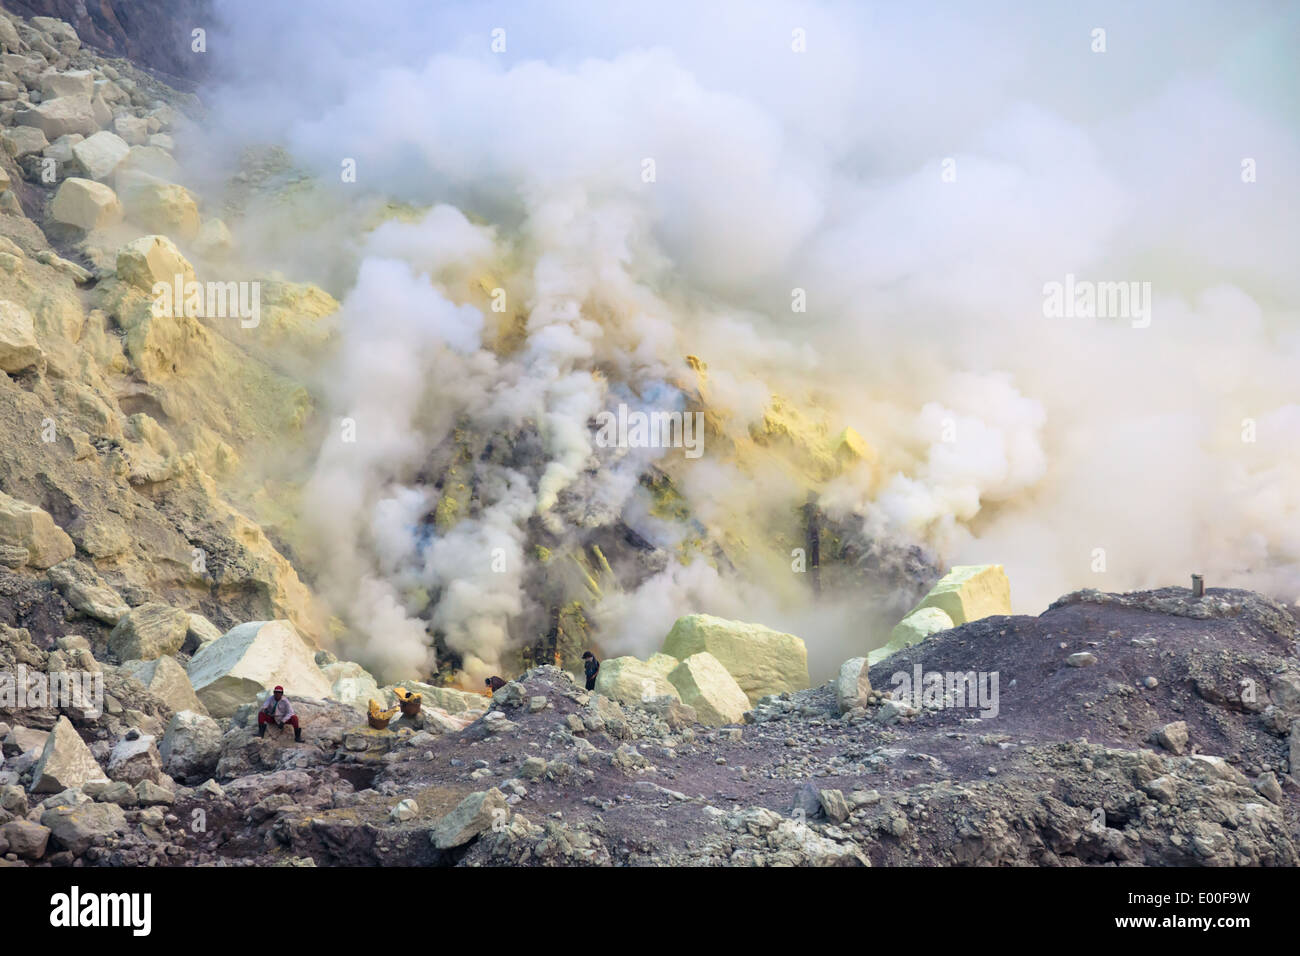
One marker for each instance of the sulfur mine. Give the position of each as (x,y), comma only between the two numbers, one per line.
(645,442)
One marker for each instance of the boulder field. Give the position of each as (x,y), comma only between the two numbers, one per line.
(1183,734)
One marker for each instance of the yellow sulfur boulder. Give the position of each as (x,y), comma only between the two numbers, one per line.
(969,592)
(632,681)
(913,629)
(705,685)
(762,661)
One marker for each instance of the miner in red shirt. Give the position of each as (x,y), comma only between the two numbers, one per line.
(277,709)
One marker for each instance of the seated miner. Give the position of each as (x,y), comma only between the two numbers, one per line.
(494,684)
(278,709)
(591,667)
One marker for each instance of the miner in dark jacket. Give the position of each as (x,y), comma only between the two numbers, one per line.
(591,666)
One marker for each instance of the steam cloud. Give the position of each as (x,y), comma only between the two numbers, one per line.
(1003,435)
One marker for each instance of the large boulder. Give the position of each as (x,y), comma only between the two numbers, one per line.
(66,762)
(72,83)
(476,813)
(762,661)
(202,631)
(159,206)
(149,631)
(191,746)
(165,679)
(99,155)
(704,684)
(970,592)
(19,349)
(26,526)
(153,160)
(853,685)
(913,629)
(351,683)
(21,739)
(250,660)
(132,129)
(80,827)
(629,680)
(61,115)
(133,760)
(86,205)
(214,239)
(87,592)
(20,141)
(149,259)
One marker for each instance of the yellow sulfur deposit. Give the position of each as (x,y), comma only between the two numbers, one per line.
(969,592)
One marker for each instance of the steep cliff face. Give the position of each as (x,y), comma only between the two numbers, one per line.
(154,34)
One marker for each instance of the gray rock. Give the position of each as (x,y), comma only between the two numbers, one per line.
(26,839)
(76,829)
(1284,689)
(1173,737)
(834,805)
(853,685)
(1268,787)
(1082,659)
(405,810)
(65,761)
(191,746)
(807,802)
(13,799)
(149,631)
(135,760)
(533,768)
(476,813)
(151,794)
(166,680)
(117,791)
(20,739)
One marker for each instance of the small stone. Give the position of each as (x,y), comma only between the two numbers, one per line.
(834,805)
(1268,787)
(1082,659)
(405,810)
(1173,737)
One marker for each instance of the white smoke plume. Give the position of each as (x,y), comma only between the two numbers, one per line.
(921,173)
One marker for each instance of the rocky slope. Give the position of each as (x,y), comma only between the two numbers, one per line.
(1142,728)
(1170,743)
(121,426)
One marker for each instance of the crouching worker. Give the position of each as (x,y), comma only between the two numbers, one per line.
(279,711)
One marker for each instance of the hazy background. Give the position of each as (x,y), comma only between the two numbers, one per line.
(778,170)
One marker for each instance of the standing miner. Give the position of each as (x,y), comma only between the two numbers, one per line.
(591,667)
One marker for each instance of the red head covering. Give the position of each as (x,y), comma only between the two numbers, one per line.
(279,688)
